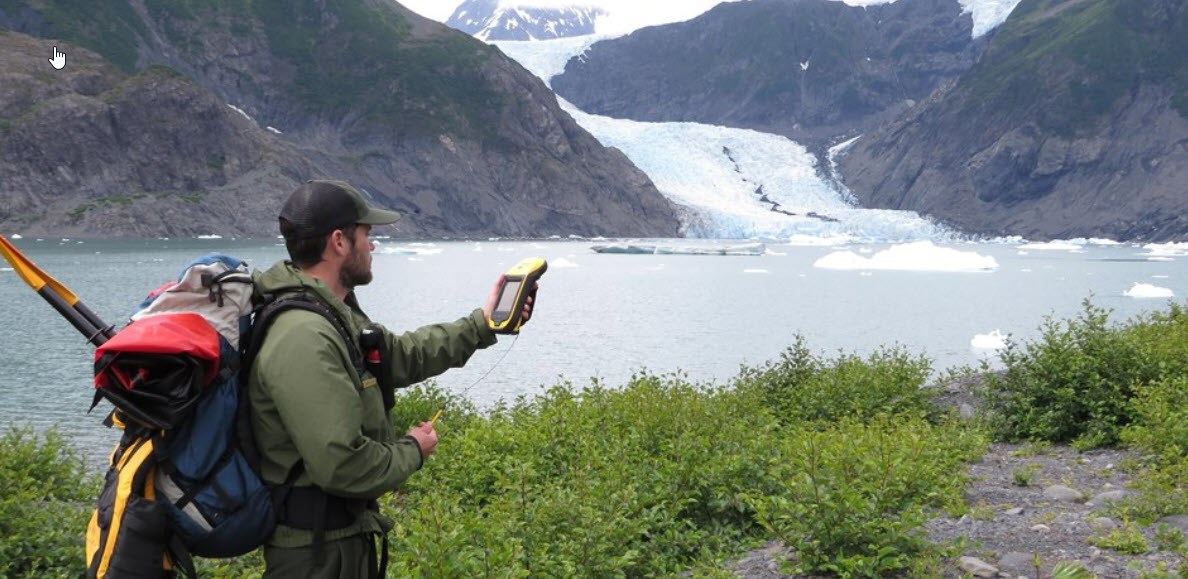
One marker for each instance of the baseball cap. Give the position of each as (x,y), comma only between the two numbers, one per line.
(319,207)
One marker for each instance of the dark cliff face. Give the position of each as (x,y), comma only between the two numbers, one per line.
(807,69)
(425,119)
(92,150)
(1074,123)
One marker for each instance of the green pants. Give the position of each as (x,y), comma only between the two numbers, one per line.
(349,558)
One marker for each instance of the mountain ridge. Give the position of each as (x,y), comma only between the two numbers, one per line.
(439,126)
(1067,120)
(1073,124)
(809,70)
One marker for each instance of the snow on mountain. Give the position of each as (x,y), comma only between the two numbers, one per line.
(496,20)
(545,19)
(987,14)
(731,183)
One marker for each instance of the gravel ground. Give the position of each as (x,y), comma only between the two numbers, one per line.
(1026,502)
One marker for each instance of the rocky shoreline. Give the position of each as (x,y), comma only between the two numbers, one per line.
(1028,505)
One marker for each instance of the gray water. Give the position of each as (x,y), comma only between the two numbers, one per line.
(599,316)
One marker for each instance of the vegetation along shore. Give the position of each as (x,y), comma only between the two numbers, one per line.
(1068,461)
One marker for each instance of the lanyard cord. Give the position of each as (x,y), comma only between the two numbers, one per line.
(493,366)
(480,378)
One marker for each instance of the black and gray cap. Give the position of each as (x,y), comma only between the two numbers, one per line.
(317,208)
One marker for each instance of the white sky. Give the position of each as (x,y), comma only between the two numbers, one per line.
(438,10)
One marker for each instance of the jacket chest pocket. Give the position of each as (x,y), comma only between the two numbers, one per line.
(374,416)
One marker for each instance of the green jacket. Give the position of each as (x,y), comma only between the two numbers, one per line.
(309,403)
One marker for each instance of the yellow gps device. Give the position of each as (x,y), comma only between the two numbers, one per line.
(518,284)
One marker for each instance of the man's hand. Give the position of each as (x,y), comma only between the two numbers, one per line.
(425,436)
(493,299)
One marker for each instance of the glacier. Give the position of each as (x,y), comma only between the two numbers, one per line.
(731,183)
(735,183)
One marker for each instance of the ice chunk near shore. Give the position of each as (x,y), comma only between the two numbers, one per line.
(995,340)
(1146,290)
(820,240)
(1166,249)
(409,249)
(1054,246)
(562,262)
(917,256)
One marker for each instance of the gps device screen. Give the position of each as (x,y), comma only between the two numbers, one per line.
(507,298)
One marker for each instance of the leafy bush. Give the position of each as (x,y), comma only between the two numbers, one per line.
(1125,539)
(857,494)
(662,475)
(1075,383)
(1160,431)
(46,499)
(1161,425)
(634,481)
(803,387)
(420,403)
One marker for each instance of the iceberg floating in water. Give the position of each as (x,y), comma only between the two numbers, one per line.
(1146,290)
(918,256)
(995,340)
(1054,246)
(409,249)
(1171,249)
(666,249)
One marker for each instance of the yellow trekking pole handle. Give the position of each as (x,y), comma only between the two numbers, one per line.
(59,296)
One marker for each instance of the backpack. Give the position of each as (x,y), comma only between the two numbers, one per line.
(184,479)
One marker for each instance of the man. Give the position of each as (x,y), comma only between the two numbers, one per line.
(320,423)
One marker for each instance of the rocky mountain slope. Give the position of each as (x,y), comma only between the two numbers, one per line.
(1074,123)
(496,20)
(1069,120)
(137,135)
(807,69)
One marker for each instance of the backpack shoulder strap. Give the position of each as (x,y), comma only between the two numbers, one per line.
(262,319)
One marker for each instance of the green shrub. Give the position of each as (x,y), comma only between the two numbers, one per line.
(46,499)
(421,402)
(803,387)
(857,493)
(1074,384)
(249,566)
(645,479)
(1161,425)
(1125,539)
(1160,432)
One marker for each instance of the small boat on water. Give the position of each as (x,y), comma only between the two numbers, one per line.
(670,249)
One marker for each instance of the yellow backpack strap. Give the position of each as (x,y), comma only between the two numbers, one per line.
(128,533)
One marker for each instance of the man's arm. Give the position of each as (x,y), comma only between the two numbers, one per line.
(431,350)
(305,368)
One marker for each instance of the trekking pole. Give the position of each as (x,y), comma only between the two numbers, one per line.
(59,296)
